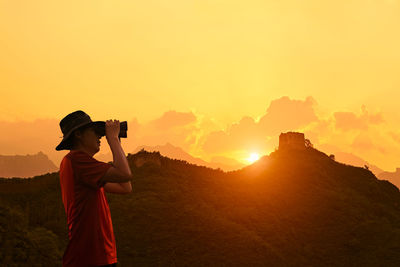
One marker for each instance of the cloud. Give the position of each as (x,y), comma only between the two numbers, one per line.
(285,114)
(395,136)
(350,121)
(172,119)
(30,137)
(178,128)
(245,134)
(317,131)
(364,134)
(364,143)
(282,115)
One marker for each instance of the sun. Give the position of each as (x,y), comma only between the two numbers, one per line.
(253,157)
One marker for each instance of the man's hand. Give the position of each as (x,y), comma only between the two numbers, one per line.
(112,129)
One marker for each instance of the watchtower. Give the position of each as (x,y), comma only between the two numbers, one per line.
(291,140)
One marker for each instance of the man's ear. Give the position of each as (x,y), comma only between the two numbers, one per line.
(77,134)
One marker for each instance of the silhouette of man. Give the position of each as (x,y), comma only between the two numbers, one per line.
(83,181)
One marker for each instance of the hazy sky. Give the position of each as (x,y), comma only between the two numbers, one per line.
(209,64)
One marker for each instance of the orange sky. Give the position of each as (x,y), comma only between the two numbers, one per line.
(201,74)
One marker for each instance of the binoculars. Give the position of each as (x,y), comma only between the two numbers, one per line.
(101,129)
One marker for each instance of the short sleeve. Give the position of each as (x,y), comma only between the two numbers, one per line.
(89,170)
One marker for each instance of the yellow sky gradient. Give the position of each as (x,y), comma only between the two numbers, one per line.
(219,60)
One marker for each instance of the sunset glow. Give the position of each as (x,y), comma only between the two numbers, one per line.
(209,77)
(253,157)
(235,132)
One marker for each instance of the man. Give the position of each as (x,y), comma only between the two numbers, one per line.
(83,181)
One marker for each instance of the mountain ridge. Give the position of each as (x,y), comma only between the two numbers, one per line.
(290,208)
(25,166)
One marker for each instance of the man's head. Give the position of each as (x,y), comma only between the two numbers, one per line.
(85,138)
(80,133)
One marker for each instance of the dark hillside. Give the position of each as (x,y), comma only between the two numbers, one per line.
(291,208)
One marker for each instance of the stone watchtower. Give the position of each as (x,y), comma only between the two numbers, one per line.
(291,140)
(144,156)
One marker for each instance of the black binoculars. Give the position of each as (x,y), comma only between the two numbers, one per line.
(123,128)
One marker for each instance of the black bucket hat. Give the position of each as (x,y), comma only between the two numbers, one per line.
(70,123)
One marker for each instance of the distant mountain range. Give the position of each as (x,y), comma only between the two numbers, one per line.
(290,208)
(174,152)
(25,165)
(393,177)
(348,158)
(354,160)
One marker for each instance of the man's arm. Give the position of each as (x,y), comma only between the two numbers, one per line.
(117,179)
(118,188)
(120,162)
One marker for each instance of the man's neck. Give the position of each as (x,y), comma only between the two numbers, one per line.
(83,150)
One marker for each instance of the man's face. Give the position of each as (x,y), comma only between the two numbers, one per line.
(90,140)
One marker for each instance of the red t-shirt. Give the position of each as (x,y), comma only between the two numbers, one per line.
(90,231)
